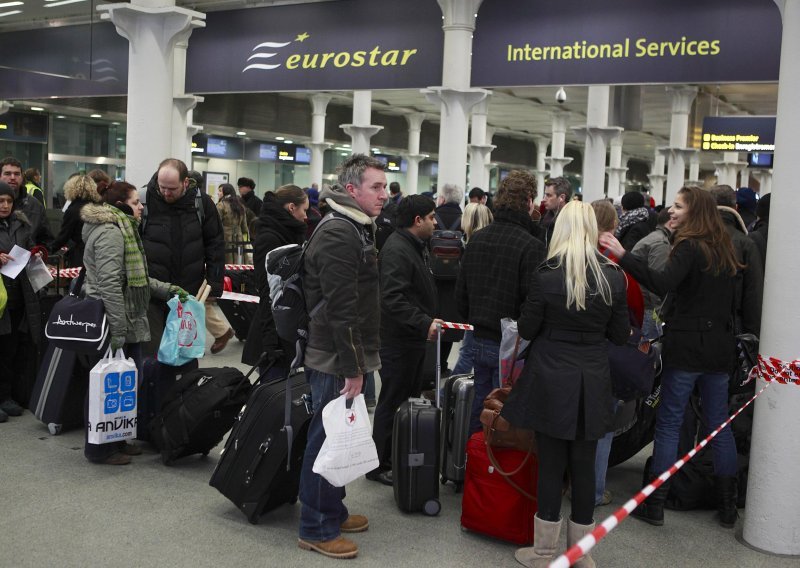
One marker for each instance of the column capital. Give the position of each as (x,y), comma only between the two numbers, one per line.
(555,161)
(459,14)
(416,158)
(618,139)
(486,148)
(415,120)
(319,103)
(604,133)
(682,98)
(358,129)
(193,129)
(541,140)
(482,107)
(560,118)
(656,179)
(176,23)
(464,98)
(319,145)
(185,103)
(668,151)
(5,106)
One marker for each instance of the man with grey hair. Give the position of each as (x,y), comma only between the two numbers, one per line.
(343,337)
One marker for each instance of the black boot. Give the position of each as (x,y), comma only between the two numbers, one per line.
(725,487)
(652,509)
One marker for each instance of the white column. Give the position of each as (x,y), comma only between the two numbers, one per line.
(729,168)
(153,28)
(182,108)
(764,179)
(488,165)
(556,160)
(5,106)
(319,105)
(694,171)
(616,170)
(596,135)
(414,158)
(542,142)
(773,500)
(677,151)
(657,179)
(479,148)
(455,96)
(361,131)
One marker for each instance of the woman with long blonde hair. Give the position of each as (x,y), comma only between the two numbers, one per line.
(576,302)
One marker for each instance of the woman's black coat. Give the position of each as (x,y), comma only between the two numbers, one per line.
(567,369)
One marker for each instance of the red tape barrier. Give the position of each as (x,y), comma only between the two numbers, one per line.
(583,546)
(461,326)
(73,272)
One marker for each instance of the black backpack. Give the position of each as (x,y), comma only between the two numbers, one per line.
(447,248)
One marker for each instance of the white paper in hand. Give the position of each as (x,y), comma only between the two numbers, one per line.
(348,451)
(13,267)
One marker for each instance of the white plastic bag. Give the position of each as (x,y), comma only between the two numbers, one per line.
(348,451)
(112,399)
(511,347)
(38,273)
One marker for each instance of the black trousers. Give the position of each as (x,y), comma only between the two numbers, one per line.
(18,360)
(401,378)
(557,456)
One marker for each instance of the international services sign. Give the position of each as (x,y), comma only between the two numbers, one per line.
(589,42)
(342,45)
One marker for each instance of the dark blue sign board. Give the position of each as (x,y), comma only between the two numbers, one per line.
(738,134)
(586,42)
(343,45)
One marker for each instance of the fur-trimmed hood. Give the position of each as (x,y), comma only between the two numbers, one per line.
(736,217)
(340,201)
(80,188)
(97,214)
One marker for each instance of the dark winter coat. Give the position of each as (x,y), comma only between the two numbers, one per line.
(567,369)
(408,291)
(449,213)
(177,248)
(274,228)
(252,202)
(635,233)
(34,211)
(72,225)
(698,335)
(750,281)
(343,271)
(496,271)
(18,231)
(760,235)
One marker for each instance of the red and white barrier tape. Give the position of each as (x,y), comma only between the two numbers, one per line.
(73,272)
(461,326)
(773,369)
(240,297)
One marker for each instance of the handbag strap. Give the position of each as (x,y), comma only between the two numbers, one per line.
(78,284)
(507,476)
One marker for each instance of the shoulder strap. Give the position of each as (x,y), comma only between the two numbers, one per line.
(198,207)
(439,222)
(456,224)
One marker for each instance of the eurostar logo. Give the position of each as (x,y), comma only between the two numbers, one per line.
(271,50)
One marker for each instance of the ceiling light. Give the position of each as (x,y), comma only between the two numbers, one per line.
(53,96)
(346,145)
(376,150)
(62,3)
(241,133)
(37,108)
(120,139)
(9,4)
(289,141)
(11,13)
(115,124)
(95,116)
(279,138)
(61,116)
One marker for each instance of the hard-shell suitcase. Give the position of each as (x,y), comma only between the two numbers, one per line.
(60,389)
(415,457)
(259,468)
(198,411)
(459,392)
(157,379)
(491,505)
(240,315)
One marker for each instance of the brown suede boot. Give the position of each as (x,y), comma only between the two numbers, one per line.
(545,540)
(355,524)
(339,547)
(221,342)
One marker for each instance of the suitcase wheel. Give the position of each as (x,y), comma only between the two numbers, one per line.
(432,507)
(459,487)
(54,429)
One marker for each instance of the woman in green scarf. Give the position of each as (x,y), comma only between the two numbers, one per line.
(116,273)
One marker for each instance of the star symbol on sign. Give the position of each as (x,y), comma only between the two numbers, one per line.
(302,37)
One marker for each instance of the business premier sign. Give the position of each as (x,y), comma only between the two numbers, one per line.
(738,134)
(589,42)
(342,45)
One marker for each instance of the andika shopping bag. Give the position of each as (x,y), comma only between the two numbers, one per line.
(184,336)
(112,399)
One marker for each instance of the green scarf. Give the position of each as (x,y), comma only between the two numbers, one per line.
(135,266)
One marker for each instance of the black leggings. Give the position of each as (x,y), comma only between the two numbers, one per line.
(555,456)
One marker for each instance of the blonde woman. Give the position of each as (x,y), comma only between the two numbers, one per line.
(575,302)
(476,216)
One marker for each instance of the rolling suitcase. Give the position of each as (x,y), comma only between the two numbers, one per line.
(156,381)
(198,411)
(240,315)
(459,392)
(491,505)
(259,467)
(60,389)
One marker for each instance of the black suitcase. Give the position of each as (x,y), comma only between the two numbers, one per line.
(198,411)
(459,392)
(240,315)
(156,381)
(60,389)
(415,457)
(259,468)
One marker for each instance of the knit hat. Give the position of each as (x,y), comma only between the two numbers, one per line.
(5,189)
(313,196)
(632,200)
(746,199)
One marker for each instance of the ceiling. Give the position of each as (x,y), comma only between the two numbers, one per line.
(520,112)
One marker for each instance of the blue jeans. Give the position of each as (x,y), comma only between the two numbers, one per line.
(369,387)
(486,355)
(322,511)
(676,388)
(466,355)
(601,461)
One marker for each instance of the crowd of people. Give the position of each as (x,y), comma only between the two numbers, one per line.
(574,275)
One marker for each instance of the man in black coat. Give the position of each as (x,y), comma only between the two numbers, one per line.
(636,222)
(11,173)
(247,190)
(183,244)
(408,304)
(557,193)
(496,271)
